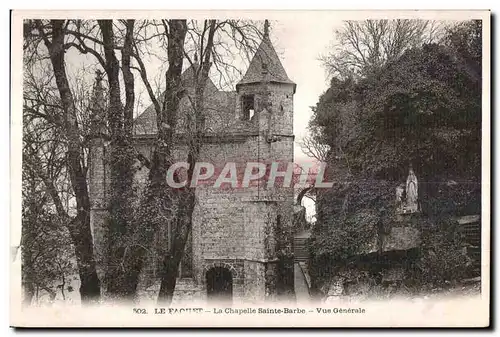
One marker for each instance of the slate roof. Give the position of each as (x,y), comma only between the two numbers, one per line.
(145,123)
(265,55)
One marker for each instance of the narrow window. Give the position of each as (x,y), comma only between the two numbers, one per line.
(247,107)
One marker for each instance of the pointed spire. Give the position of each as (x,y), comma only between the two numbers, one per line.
(266,29)
(265,66)
(98,94)
(97,104)
(265,70)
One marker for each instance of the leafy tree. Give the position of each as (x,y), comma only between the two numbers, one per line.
(421,108)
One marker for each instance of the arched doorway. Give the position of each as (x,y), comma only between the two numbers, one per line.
(219,285)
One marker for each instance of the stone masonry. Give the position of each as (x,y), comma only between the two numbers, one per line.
(233,228)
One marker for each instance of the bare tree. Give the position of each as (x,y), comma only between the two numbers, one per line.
(53,34)
(186,200)
(48,197)
(364,46)
(157,203)
(313,148)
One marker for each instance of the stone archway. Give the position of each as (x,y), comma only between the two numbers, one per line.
(219,282)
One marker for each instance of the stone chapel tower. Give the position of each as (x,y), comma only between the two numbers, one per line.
(240,248)
(240,237)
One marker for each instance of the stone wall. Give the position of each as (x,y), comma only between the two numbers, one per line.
(234,227)
(275,98)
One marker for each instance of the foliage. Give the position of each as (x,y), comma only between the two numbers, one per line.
(417,109)
(443,258)
(350,218)
(421,108)
(51,268)
(47,252)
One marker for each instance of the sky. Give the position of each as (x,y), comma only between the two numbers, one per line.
(299,49)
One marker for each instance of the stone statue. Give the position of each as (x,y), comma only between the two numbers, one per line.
(412,191)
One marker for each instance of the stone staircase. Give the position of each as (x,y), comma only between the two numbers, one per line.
(301,268)
(300,249)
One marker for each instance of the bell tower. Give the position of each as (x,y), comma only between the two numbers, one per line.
(265,96)
(265,93)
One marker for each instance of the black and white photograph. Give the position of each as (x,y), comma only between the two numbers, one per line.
(260,168)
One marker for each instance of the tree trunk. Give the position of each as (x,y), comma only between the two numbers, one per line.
(80,229)
(122,157)
(63,284)
(181,233)
(173,94)
(187,200)
(81,236)
(159,200)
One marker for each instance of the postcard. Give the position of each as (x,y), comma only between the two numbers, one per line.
(250,168)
